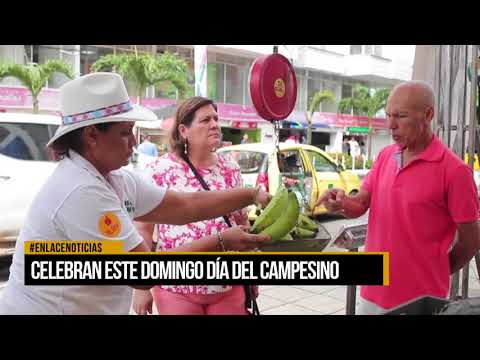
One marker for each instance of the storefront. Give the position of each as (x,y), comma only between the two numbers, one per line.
(329,129)
(241,123)
(236,121)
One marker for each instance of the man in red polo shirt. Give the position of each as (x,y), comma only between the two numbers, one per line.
(419,194)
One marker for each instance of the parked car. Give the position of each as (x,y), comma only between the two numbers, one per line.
(25,164)
(309,170)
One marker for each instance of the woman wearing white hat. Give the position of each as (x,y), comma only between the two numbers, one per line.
(88,197)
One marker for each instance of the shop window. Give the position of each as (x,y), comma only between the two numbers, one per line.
(56,52)
(347,91)
(220,83)
(314,85)
(31,54)
(89,54)
(329,106)
(320,139)
(300,103)
(366,50)
(234,85)
(355,49)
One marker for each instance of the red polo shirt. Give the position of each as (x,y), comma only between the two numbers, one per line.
(413,215)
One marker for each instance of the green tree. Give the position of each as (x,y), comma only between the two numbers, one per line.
(318,98)
(363,102)
(34,77)
(145,70)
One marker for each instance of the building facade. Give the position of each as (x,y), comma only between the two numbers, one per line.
(318,67)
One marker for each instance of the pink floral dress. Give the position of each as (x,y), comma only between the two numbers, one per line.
(169,171)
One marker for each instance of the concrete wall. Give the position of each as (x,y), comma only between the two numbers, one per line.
(380,140)
(396,61)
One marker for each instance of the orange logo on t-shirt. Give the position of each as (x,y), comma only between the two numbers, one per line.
(109,225)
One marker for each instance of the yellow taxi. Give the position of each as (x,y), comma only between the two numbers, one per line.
(308,170)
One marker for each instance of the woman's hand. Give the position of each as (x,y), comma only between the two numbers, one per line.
(241,217)
(237,238)
(262,198)
(142,302)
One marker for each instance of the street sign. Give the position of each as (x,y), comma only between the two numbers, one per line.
(357,129)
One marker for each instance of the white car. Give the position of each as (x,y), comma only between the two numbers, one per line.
(25,164)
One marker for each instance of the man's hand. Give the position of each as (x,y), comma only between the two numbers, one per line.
(333,200)
(353,206)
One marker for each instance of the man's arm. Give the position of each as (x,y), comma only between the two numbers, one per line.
(356,205)
(466,247)
(179,208)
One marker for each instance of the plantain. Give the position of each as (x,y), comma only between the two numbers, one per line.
(286,222)
(306,223)
(272,212)
(287,237)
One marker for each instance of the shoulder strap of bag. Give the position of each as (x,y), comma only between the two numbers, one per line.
(202,182)
(250,301)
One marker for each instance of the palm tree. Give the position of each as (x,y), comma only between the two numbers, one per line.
(363,102)
(34,77)
(147,70)
(318,98)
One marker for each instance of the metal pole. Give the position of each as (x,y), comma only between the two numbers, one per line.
(477,262)
(455,279)
(471,147)
(351,295)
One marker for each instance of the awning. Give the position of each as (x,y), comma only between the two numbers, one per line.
(163,124)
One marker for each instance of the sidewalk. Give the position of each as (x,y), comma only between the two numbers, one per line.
(323,300)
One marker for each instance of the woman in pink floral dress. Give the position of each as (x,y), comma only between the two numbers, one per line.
(196,134)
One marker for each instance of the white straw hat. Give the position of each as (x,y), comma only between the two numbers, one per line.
(94,99)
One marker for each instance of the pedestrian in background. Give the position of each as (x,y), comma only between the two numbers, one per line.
(147,147)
